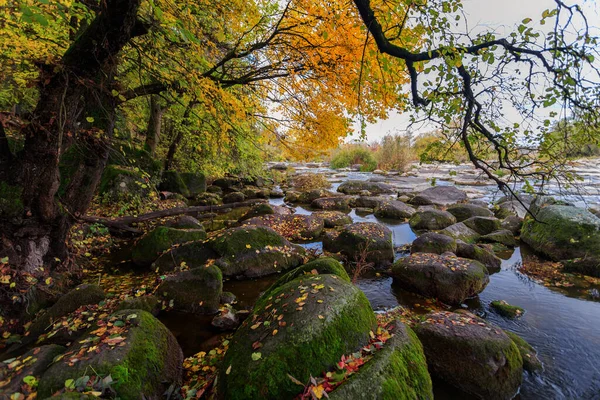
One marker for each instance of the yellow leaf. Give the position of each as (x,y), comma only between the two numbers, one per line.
(318,391)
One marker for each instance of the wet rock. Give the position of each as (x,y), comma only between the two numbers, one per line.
(312,195)
(483,225)
(292,196)
(468,210)
(333,219)
(117,183)
(292,227)
(432,242)
(478,253)
(194,181)
(462,232)
(368,201)
(368,239)
(506,310)
(252,192)
(234,197)
(197,290)
(513,224)
(394,209)
(432,220)
(228,298)
(301,339)
(531,362)
(355,187)
(154,243)
(191,255)
(264,209)
(502,236)
(226,320)
(566,233)
(397,371)
(276,193)
(510,207)
(214,189)
(208,199)
(145,366)
(33,363)
(364,210)
(171,181)
(471,354)
(229,184)
(446,277)
(439,196)
(332,203)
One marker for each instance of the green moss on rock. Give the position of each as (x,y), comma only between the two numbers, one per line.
(171,181)
(531,362)
(363,237)
(145,367)
(398,371)
(194,181)
(506,310)
(149,248)
(314,337)
(197,290)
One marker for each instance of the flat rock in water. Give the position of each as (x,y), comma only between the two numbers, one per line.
(432,220)
(468,210)
(439,196)
(432,242)
(356,186)
(483,225)
(292,227)
(332,219)
(332,203)
(394,209)
(462,232)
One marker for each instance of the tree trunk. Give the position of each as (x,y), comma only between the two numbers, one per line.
(178,136)
(75,108)
(154,124)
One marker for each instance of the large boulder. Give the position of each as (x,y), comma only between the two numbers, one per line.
(185,222)
(197,290)
(190,255)
(368,201)
(479,253)
(31,364)
(446,277)
(139,353)
(439,196)
(368,239)
(471,354)
(234,197)
(462,232)
(160,239)
(513,224)
(396,371)
(261,209)
(468,210)
(292,227)
(229,184)
(356,187)
(120,183)
(332,203)
(301,330)
(333,219)
(394,209)
(171,181)
(194,181)
(531,362)
(510,207)
(432,242)
(503,236)
(431,220)
(483,225)
(566,233)
(311,195)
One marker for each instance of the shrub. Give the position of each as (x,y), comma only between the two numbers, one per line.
(395,153)
(354,154)
(311,181)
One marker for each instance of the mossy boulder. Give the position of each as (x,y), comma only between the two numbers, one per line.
(506,310)
(33,363)
(185,222)
(122,183)
(11,205)
(368,201)
(229,183)
(478,253)
(431,220)
(191,255)
(292,227)
(234,197)
(194,181)
(462,232)
(125,155)
(510,207)
(531,362)
(566,233)
(307,197)
(197,290)
(81,295)
(394,209)
(502,236)
(446,277)
(301,330)
(253,251)
(292,196)
(208,199)
(432,242)
(333,219)
(258,210)
(483,225)
(150,304)
(144,367)
(439,196)
(513,224)
(171,181)
(332,203)
(320,266)
(398,371)
(369,239)
(356,187)
(467,210)
(471,354)
(154,243)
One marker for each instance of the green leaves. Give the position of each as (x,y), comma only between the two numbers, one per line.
(256,356)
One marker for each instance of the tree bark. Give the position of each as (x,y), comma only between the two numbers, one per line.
(154,124)
(75,107)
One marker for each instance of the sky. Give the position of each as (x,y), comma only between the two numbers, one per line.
(499,15)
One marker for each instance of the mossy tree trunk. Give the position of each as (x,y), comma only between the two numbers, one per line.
(75,108)
(154,124)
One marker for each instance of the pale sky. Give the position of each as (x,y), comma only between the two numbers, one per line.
(499,15)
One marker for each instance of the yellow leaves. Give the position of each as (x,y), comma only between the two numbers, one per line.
(318,391)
